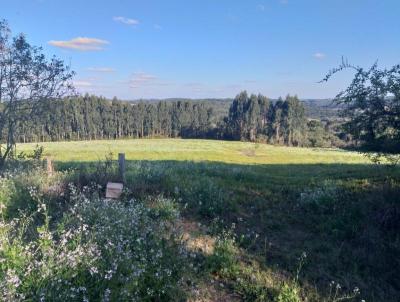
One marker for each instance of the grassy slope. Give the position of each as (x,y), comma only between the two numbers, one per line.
(344,230)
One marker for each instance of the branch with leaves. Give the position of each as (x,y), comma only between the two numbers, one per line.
(371,106)
(28,80)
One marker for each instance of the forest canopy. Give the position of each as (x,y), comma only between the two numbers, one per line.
(249,118)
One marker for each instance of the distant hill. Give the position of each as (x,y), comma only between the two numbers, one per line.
(321,109)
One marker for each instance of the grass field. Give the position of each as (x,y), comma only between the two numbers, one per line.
(276,203)
(195,150)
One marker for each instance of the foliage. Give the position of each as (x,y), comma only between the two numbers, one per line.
(255,116)
(371,105)
(99,251)
(36,154)
(290,291)
(336,294)
(27,78)
(203,197)
(289,294)
(223,260)
(91,117)
(247,280)
(323,134)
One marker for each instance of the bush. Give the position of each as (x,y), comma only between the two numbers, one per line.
(204,196)
(223,260)
(288,293)
(100,250)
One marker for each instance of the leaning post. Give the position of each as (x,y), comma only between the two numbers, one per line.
(121,165)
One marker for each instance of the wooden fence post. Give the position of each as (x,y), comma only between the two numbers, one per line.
(49,166)
(121,165)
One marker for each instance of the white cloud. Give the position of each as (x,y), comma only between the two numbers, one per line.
(82,84)
(261,7)
(81,44)
(284,1)
(101,69)
(126,21)
(319,55)
(141,79)
(157,27)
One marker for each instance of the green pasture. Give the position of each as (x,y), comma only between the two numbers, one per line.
(194,150)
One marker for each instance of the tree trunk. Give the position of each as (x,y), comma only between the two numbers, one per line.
(4,156)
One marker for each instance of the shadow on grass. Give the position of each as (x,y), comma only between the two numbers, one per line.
(346,217)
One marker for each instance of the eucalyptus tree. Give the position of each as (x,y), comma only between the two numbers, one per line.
(276,117)
(236,124)
(28,80)
(295,121)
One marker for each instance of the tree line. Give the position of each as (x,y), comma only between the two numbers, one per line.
(250,118)
(91,117)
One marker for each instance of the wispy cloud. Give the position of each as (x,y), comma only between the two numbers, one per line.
(91,85)
(157,27)
(140,79)
(284,2)
(261,7)
(101,69)
(126,21)
(81,44)
(82,84)
(319,55)
(195,87)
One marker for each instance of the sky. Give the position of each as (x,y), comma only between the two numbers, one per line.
(135,49)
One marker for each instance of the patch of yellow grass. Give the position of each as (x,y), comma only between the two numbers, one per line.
(196,240)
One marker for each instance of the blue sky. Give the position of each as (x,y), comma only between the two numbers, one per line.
(210,48)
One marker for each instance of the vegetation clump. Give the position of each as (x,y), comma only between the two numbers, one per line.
(97,250)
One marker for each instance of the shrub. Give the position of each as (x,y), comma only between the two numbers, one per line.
(223,260)
(320,197)
(288,293)
(101,250)
(204,196)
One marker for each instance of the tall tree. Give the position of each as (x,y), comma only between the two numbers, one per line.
(295,121)
(27,81)
(276,122)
